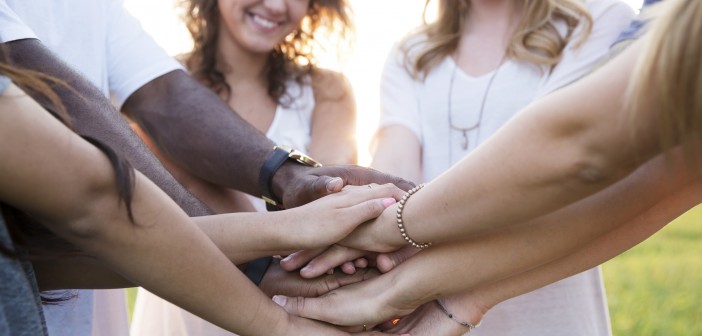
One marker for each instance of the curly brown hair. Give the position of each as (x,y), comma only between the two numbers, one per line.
(292,59)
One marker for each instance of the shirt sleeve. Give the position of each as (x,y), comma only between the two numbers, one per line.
(398,95)
(133,57)
(11,26)
(610,18)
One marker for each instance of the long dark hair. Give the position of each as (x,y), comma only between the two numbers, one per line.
(291,59)
(31,240)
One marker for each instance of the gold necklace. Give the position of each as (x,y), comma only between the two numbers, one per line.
(464,130)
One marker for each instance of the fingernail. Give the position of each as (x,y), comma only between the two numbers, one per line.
(280,300)
(388,202)
(334,183)
(286,259)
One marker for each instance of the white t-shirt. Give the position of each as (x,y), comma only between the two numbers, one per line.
(573,306)
(100,40)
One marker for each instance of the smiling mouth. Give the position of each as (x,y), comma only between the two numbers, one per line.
(265,23)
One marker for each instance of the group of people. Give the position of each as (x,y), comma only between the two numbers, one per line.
(524,161)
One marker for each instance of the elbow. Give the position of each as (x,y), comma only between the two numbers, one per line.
(595,168)
(95,207)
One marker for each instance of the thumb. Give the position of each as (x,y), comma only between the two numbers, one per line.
(387,261)
(299,306)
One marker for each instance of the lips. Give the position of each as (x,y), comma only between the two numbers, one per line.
(263,23)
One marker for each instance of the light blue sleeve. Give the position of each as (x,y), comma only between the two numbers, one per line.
(4,82)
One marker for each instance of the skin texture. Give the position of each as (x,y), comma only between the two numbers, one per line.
(90,215)
(564,156)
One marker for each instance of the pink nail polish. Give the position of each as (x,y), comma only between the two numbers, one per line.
(280,300)
(388,202)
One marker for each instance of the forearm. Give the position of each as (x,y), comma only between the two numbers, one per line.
(562,148)
(593,254)
(246,236)
(160,250)
(521,248)
(220,146)
(93,115)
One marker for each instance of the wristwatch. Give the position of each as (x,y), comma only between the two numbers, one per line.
(273,162)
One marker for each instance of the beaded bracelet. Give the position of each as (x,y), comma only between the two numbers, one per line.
(400,223)
(468,325)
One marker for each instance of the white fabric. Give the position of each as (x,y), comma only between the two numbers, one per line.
(574,306)
(153,316)
(98,38)
(104,43)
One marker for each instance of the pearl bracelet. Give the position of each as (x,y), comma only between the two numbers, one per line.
(400,223)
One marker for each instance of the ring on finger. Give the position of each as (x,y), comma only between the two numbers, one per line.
(365,327)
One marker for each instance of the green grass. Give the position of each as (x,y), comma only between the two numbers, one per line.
(656,287)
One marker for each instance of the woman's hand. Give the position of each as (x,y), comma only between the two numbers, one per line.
(315,263)
(331,218)
(367,303)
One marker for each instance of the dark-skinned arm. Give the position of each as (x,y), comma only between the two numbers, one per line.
(92,114)
(198,130)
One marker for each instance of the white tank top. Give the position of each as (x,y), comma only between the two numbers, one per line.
(292,123)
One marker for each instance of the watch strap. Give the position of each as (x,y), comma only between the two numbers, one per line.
(255,269)
(265,177)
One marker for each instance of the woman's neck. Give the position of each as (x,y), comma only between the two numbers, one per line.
(488,27)
(495,16)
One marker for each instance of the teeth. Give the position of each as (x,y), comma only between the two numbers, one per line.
(263,22)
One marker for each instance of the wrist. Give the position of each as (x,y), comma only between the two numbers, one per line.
(282,166)
(284,177)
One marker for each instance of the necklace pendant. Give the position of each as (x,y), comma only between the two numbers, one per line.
(464,143)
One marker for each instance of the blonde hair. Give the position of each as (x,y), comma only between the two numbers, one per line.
(668,78)
(536,39)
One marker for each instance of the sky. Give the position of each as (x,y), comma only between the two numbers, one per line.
(378,23)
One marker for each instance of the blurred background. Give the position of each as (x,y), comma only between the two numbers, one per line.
(653,289)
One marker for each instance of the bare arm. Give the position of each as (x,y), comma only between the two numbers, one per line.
(398,152)
(563,243)
(161,250)
(225,150)
(92,114)
(333,120)
(558,150)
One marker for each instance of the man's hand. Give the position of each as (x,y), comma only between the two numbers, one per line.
(299,185)
(277,281)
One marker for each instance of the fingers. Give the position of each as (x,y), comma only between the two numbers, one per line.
(298,259)
(387,261)
(334,256)
(352,195)
(355,175)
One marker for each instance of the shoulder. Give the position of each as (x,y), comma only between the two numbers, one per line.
(610,8)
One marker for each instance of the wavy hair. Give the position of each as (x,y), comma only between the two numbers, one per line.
(293,58)
(668,78)
(536,38)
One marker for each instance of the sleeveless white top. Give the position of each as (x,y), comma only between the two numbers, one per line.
(291,126)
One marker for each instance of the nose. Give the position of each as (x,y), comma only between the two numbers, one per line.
(275,6)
